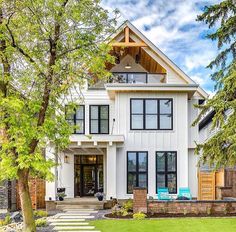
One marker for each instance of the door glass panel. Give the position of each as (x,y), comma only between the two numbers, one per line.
(77,180)
(88,159)
(100,178)
(89,180)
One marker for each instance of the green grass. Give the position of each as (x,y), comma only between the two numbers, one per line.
(167,225)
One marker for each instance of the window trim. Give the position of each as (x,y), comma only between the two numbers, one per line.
(166,172)
(137,172)
(158,114)
(99,120)
(74,119)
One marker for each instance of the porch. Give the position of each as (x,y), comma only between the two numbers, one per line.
(86,167)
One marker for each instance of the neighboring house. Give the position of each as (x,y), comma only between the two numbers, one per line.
(214,184)
(135,130)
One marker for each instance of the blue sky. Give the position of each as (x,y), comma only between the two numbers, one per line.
(171,25)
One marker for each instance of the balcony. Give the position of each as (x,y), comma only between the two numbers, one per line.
(137,78)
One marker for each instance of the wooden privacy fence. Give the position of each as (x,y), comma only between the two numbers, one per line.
(37,193)
(208,182)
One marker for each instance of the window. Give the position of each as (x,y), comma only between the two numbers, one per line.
(151,114)
(166,170)
(99,119)
(76,119)
(137,174)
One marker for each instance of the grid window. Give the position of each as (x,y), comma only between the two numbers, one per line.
(137,170)
(76,119)
(99,119)
(166,170)
(151,114)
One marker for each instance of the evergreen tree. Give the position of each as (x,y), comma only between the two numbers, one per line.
(220,149)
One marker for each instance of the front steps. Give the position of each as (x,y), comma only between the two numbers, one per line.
(73,221)
(79,204)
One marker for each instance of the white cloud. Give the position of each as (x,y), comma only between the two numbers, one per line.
(172,26)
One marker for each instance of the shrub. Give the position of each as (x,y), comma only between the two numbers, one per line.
(6,221)
(128,205)
(41,222)
(139,216)
(40,213)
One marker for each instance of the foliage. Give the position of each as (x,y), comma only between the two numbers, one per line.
(128,205)
(220,149)
(40,213)
(6,221)
(41,222)
(120,212)
(139,216)
(48,49)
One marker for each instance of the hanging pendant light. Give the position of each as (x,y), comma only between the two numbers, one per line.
(127,66)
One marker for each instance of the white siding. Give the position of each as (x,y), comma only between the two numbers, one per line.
(192,173)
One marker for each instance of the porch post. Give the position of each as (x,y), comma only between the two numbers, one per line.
(111,171)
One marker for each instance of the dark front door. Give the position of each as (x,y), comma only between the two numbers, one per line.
(88,175)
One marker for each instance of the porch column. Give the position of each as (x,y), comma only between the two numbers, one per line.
(111,171)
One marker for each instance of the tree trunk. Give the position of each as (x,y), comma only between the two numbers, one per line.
(26,204)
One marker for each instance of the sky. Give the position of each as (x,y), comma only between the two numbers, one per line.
(171,25)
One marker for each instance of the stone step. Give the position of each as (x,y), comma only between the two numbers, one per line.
(80,211)
(74,217)
(73,228)
(79,207)
(69,223)
(66,220)
(72,214)
(79,231)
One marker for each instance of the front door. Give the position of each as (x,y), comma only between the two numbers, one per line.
(89,180)
(88,175)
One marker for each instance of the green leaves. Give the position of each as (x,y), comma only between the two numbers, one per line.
(51,47)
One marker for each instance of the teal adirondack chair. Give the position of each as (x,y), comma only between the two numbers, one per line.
(185,192)
(163,194)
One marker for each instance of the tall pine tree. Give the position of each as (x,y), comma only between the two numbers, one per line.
(220,149)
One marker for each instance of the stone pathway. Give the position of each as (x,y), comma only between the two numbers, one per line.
(73,220)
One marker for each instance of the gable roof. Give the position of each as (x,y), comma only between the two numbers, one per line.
(160,54)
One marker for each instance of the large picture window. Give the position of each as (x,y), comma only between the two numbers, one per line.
(166,170)
(99,119)
(151,114)
(76,119)
(137,170)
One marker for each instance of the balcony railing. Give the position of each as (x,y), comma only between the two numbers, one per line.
(131,78)
(137,78)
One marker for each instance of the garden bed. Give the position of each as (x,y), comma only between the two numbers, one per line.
(169,215)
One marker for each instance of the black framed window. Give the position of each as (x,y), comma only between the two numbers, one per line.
(76,118)
(166,170)
(151,114)
(137,170)
(99,119)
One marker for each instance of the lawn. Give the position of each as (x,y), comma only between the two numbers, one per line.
(167,225)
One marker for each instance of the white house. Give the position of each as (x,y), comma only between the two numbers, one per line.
(135,130)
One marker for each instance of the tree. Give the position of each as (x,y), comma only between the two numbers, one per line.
(220,149)
(48,48)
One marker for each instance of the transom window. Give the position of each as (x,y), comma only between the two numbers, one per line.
(151,114)
(99,119)
(76,119)
(137,167)
(166,170)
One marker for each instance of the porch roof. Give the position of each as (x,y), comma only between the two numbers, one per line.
(96,140)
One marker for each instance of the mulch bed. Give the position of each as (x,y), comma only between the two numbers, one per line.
(130,216)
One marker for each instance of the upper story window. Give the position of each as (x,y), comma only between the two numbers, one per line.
(76,119)
(151,114)
(137,78)
(99,119)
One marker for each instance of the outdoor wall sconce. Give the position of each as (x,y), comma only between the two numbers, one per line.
(66,159)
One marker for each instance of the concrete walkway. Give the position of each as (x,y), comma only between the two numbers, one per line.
(74,220)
